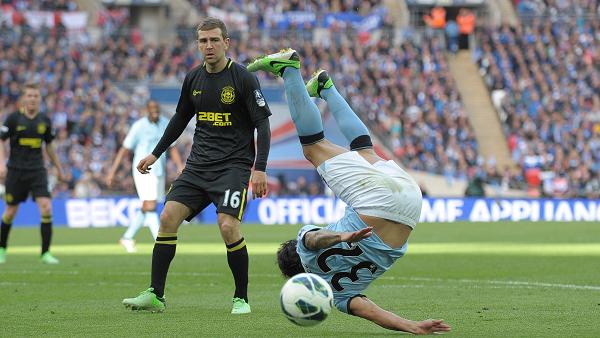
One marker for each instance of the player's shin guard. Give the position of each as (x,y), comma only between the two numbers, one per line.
(46,232)
(237,257)
(5,227)
(304,112)
(162,255)
(350,124)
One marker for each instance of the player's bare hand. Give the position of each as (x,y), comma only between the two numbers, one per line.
(144,166)
(259,184)
(109,180)
(60,176)
(356,236)
(430,326)
(2,170)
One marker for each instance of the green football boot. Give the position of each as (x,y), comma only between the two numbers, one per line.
(319,81)
(276,63)
(240,307)
(47,258)
(146,301)
(2,255)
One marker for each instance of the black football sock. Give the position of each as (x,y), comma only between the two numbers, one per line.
(237,257)
(4,231)
(162,255)
(46,231)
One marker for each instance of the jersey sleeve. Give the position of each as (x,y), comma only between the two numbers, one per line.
(7,128)
(131,139)
(50,133)
(305,229)
(184,105)
(253,97)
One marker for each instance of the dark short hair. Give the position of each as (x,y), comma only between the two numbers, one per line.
(30,85)
(212,23)
(288,259)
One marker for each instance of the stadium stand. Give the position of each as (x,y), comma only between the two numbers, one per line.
(398,81)
(545,86)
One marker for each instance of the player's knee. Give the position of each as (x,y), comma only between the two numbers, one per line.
(46,208)
(149,206)
(9,214)
(229,228)
(166,222)
(307,153)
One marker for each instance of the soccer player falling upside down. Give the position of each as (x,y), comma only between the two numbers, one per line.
(228,105)
(384,202)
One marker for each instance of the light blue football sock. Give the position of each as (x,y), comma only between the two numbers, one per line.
(152,222)
(350,124)
(304,111)
(134,226)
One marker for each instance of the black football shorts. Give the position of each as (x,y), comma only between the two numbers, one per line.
(20,182)
(226,189)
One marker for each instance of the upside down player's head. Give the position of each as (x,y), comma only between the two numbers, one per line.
(288,259)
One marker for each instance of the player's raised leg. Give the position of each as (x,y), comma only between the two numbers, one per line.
(305,114)
(356,132)
(7,219)
(153,299)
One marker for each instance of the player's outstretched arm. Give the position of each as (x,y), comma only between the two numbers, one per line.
(365,308)
(52,154)
(321,239)
(116,163)
(263,144)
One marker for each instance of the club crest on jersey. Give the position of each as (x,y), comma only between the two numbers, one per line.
(41,128)
(260,100)
(227,95)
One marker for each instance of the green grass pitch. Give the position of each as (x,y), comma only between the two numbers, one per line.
(486,280)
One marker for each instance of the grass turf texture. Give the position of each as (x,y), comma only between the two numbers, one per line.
(486,280)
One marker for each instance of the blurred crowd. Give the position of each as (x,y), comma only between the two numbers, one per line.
(40,5)
(555,9)
(398,83)
(545,82)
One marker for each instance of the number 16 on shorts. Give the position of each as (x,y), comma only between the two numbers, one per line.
(235,200)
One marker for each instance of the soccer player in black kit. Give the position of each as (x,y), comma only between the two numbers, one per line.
(28,130)
(228,105)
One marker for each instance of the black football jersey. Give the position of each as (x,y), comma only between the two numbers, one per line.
(26,137)
(226,105)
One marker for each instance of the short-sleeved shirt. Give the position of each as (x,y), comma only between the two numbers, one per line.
(349,268)
(26,137)
(142,138)
(227,106)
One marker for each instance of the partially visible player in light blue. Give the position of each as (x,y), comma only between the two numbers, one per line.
(384,202)
(141,139)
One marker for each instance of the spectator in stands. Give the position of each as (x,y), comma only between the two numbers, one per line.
(544,71)
(452,34)
(466,27)
(436,19)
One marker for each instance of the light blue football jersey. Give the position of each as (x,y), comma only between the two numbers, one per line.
(349,268)
(142,138)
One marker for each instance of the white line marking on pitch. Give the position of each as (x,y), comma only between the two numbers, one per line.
(501,282)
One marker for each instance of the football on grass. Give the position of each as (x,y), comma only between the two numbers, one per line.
(306,299)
